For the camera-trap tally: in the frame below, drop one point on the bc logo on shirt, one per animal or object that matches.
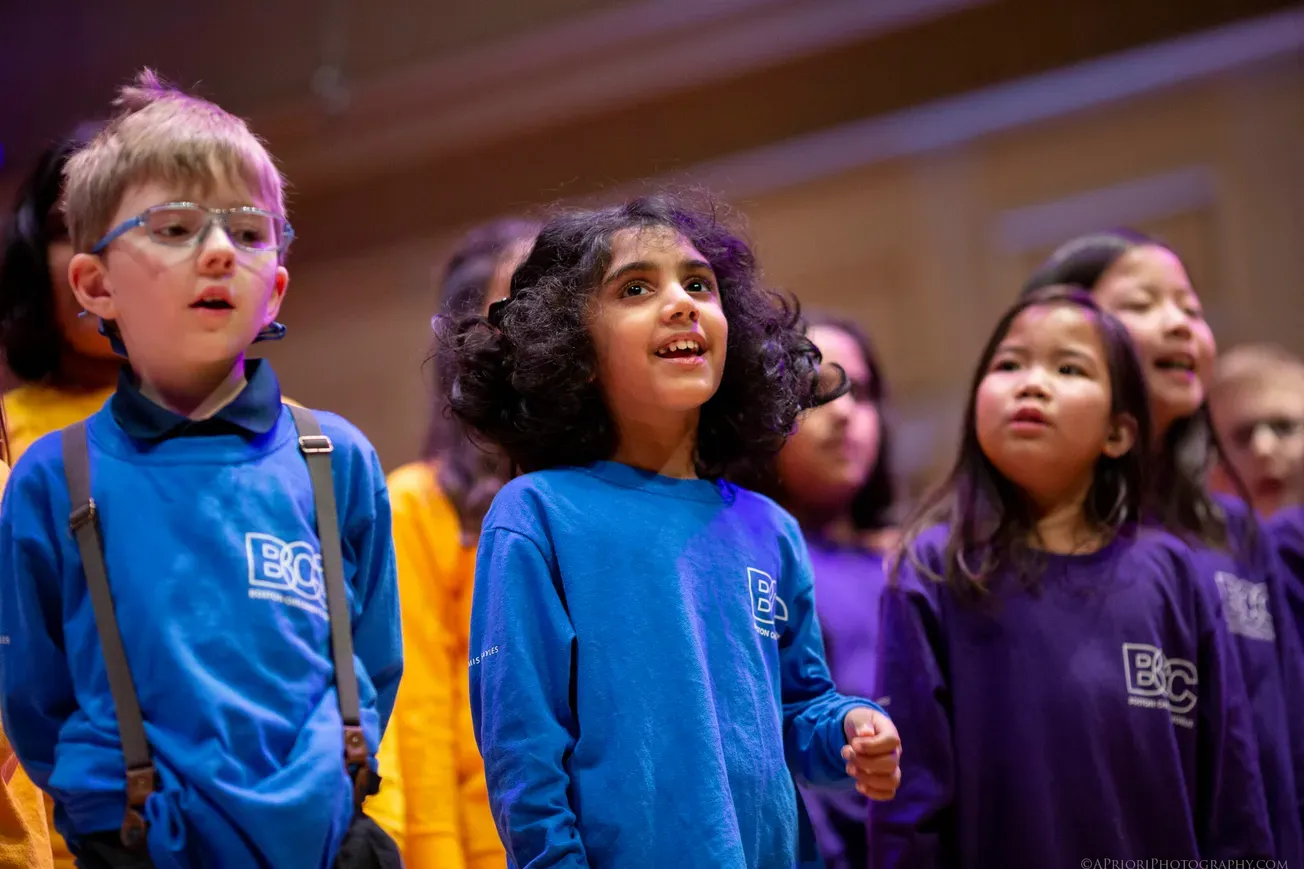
(1246, 606)
(767, 606)
(289, 573)
(1155, 681)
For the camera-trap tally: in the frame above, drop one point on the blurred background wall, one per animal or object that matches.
(907, 162)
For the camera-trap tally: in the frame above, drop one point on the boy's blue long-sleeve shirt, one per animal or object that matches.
(647, 674)
(214, 564)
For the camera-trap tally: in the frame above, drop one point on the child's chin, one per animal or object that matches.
(1177, 401)
(687, 397)
(215, 349)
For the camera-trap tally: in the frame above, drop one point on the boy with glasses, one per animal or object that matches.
(1257, 405)
(199, 627)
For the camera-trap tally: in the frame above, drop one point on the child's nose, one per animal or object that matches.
(1176, 321)
(682, 304)
(1263, 441)
(217, 253)
(1033, 383)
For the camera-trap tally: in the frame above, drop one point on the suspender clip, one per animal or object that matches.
(83, 515)
(141, 782)
(311, 444)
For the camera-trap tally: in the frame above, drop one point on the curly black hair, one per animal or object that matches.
(29, 325)
(1178, 496)
(526, 377)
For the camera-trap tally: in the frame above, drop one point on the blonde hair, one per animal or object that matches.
(1248, 364)
(164, 135)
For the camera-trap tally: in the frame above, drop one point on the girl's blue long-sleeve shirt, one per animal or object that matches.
(647, 675)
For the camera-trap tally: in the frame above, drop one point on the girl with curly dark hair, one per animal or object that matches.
(1145, 284)
(1063, 674)
(646, 671)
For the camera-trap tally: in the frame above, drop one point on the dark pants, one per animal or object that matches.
(366, 846)
(106, 851)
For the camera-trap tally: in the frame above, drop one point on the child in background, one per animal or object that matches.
(67, 367)
(1067, 682)
(834, 476)
(646, 672)
(1145, 285)
(433, 799)
(1257, 405)
(199, 479)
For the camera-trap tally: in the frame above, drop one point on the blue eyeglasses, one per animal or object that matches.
(185, 224)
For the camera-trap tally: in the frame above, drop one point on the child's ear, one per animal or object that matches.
(279, 285)
(1122, 436)
(90, 284)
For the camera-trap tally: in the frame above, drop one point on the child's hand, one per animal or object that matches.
(872, 753)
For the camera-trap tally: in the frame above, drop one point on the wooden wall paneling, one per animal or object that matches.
(359, 334)
(1262, 152)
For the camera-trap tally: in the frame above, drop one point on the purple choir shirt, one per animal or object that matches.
(1287, 532)
(1100, 718)
(1251, 583)
(848, 584)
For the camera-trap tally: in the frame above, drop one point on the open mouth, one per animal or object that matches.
(1183, 363)
(684, 348)
(215, 298)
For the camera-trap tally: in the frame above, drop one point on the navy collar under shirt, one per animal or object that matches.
(251, 413)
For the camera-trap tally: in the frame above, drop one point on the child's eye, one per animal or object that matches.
(174, 230)
(1285, 427)
(1006, 365)
(1072, 369)
(635, 288)
(699, 285)
(250, 238)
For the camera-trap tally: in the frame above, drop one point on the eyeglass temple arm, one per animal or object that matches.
(117, 231)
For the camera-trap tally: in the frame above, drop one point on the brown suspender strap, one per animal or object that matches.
(317, 448)
(85, 525)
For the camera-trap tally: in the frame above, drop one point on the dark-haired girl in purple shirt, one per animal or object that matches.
(1067, 682)
(1144, 283)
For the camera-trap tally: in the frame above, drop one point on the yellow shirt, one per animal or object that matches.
(31, 412)
(24, 840)
(34, 410)
(432, 798)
